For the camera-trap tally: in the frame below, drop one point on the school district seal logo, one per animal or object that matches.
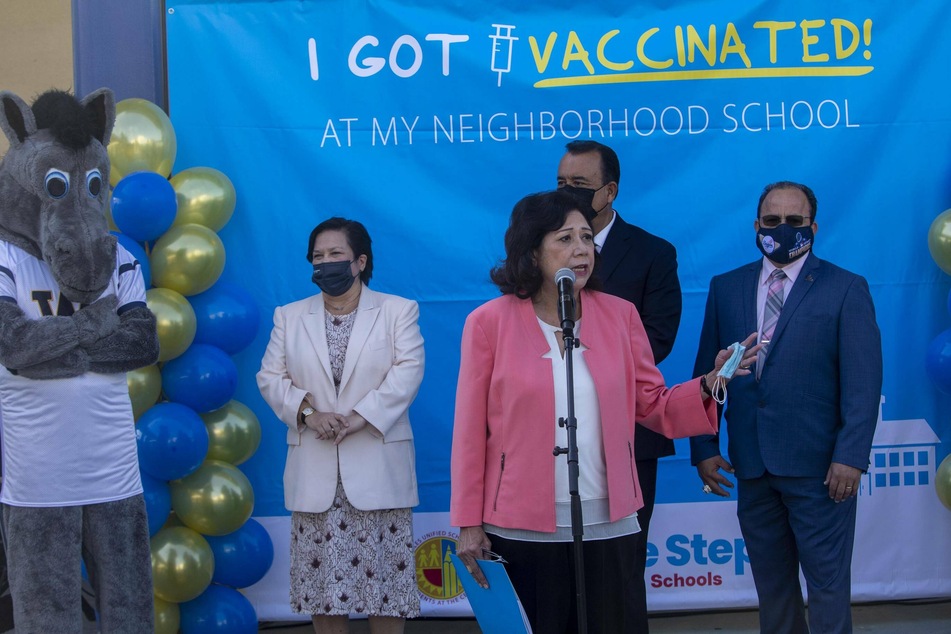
(435, 574)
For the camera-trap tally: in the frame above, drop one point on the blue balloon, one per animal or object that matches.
(204, 378)
(938, 361)
(172, 441)
(218, 610)
(138, 253)
(144, 205)
(243, 557)
(158, 502)
(227, 317)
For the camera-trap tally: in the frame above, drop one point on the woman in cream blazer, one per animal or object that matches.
(350, 477)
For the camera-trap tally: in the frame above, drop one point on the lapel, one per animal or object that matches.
(808, 275)
(317, 332)
(368, 311)
(616, 246)
(597, 355)
(749, 286)
(529, 324)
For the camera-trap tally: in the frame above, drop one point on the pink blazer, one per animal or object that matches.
(504, 430)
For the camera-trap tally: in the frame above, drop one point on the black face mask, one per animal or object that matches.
(584, 197)
(784, 244)
(333, 278)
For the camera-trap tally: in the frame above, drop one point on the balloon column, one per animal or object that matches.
(191, 434)
(938, 356)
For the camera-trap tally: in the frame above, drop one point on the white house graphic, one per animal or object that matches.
(903, 455)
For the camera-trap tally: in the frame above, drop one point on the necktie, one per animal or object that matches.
(774, 304)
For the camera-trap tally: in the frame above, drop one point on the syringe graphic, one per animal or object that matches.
(499, 40)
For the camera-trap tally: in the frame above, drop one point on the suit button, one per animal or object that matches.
(761, 404)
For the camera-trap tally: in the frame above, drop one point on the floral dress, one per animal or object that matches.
(344, 560)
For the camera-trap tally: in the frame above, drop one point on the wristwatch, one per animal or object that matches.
(307, 411)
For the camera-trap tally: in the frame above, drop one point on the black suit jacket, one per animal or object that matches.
(642, 268)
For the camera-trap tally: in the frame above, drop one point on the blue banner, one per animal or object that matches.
(428, 121)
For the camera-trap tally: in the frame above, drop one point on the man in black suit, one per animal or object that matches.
(641, 268)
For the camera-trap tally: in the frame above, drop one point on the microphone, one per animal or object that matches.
(565, 281)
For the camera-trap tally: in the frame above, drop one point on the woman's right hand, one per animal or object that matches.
(472, 541)
(325, 424)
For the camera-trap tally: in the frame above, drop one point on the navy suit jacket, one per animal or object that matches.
(817, 399)
(642, 268)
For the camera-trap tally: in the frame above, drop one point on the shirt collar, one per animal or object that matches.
(791, 270)
(602, 235)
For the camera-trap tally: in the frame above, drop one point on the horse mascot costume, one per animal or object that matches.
(73, 321)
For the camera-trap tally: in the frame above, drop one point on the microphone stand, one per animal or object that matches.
(571, 425)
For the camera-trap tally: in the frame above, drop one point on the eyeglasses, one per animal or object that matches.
(793, 221)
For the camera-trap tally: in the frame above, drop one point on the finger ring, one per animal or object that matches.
(848, 486)
(707, 489)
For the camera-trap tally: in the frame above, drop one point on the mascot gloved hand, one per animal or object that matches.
(73, 321)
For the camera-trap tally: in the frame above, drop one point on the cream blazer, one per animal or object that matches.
(381, 376)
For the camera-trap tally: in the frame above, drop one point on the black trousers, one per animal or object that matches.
(647, 477)
(543, 576)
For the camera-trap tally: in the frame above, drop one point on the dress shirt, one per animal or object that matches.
(792, 272)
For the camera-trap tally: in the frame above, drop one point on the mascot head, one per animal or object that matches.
(54, 181)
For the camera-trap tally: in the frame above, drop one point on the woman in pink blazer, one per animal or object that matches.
(341, 370)
(512, 390)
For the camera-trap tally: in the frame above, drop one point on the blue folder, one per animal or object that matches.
(496, 608)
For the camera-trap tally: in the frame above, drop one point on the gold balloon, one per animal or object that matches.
(175, 321)
(172, 521)
(216, 499)
(939, 240)
(942, 482)
(205, 197)
(142, 139)
(167, 617)
(188, 259)
(234, 433)
(145, 385)
(182, 564)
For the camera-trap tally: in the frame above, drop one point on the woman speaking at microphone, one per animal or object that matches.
(509, 492)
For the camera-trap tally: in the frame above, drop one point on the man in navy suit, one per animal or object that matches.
(641, 268)
(801, 433)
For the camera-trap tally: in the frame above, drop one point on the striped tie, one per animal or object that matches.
(774, 304)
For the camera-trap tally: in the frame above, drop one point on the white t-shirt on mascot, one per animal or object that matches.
(66, 442)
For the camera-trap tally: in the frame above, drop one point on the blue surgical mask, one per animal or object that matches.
(783, 244)
(727, 370)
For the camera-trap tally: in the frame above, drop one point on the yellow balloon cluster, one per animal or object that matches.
(142, 140)
(216, 499)
(205, 197)
(234, 433)
(145, 386)
(939, 240)
(175, 321)
(182, 564)
(188, 259)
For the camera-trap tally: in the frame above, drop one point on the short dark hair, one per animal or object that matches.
(358, 239)
(533, 217)
(610, 166)
(807, 192)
